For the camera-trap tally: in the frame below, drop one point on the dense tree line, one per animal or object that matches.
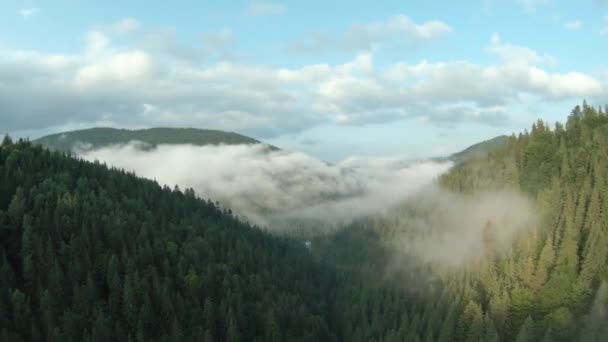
(91, 254)
(551, 284)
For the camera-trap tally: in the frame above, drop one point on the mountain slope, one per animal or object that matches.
(555, 277)
(480, 149)
(92, 254)
(549, 283)
(95, 138)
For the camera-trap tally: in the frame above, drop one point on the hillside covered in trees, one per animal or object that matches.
(97, 254)
(550, 284)
(100, 137)
(480, 149)
(91, 254)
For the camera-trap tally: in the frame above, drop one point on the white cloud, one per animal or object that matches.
(574, 25)
(516, 54)
(268, 187)
(128, 67)
(29, 12)
(126, 25)
(264, 9)
(148, 86)
(363, 37)
(96, 42)
(404, 26)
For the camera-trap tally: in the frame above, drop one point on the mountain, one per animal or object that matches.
(93, 254)
(95, 138)
(480, 149)
(545, 280)
(553, 281)
(89, 253)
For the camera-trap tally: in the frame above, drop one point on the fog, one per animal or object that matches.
(291, 192)
(454, 229)
(269, 188)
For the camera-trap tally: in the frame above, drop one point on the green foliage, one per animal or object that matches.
(480, 150)
(526, 333)
(541, 288)
(88, 253)
(563, 261)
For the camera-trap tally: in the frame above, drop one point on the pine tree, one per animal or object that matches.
(545, 262)
(526, 333)
(232, 333)
(6, 141)
(548, 337)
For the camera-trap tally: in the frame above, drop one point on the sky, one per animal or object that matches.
(332, 79)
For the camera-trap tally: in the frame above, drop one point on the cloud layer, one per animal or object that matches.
(154, 80)
(272, 187)
(290, 192)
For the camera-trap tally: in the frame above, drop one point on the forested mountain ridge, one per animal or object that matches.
(549, 284)
(100, 137)
(480, 149)
(91, 254)
(552, 285)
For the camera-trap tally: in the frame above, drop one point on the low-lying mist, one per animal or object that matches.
(270, 188)
(453, 229)
(291, 192)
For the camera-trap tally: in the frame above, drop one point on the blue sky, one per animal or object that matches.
(409, 78)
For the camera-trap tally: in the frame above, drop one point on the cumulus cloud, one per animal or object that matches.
(264, 9)
(363, 37)
(29, 12)
(129, 67)
(159, 82)
(573, 25)
(272, 187)
(516, 54)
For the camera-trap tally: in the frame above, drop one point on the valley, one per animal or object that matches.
(508, 244)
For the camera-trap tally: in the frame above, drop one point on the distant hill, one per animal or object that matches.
(480, 149)
(95, 138)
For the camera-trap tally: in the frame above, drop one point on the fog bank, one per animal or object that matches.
(269, 187)
(454, 229)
